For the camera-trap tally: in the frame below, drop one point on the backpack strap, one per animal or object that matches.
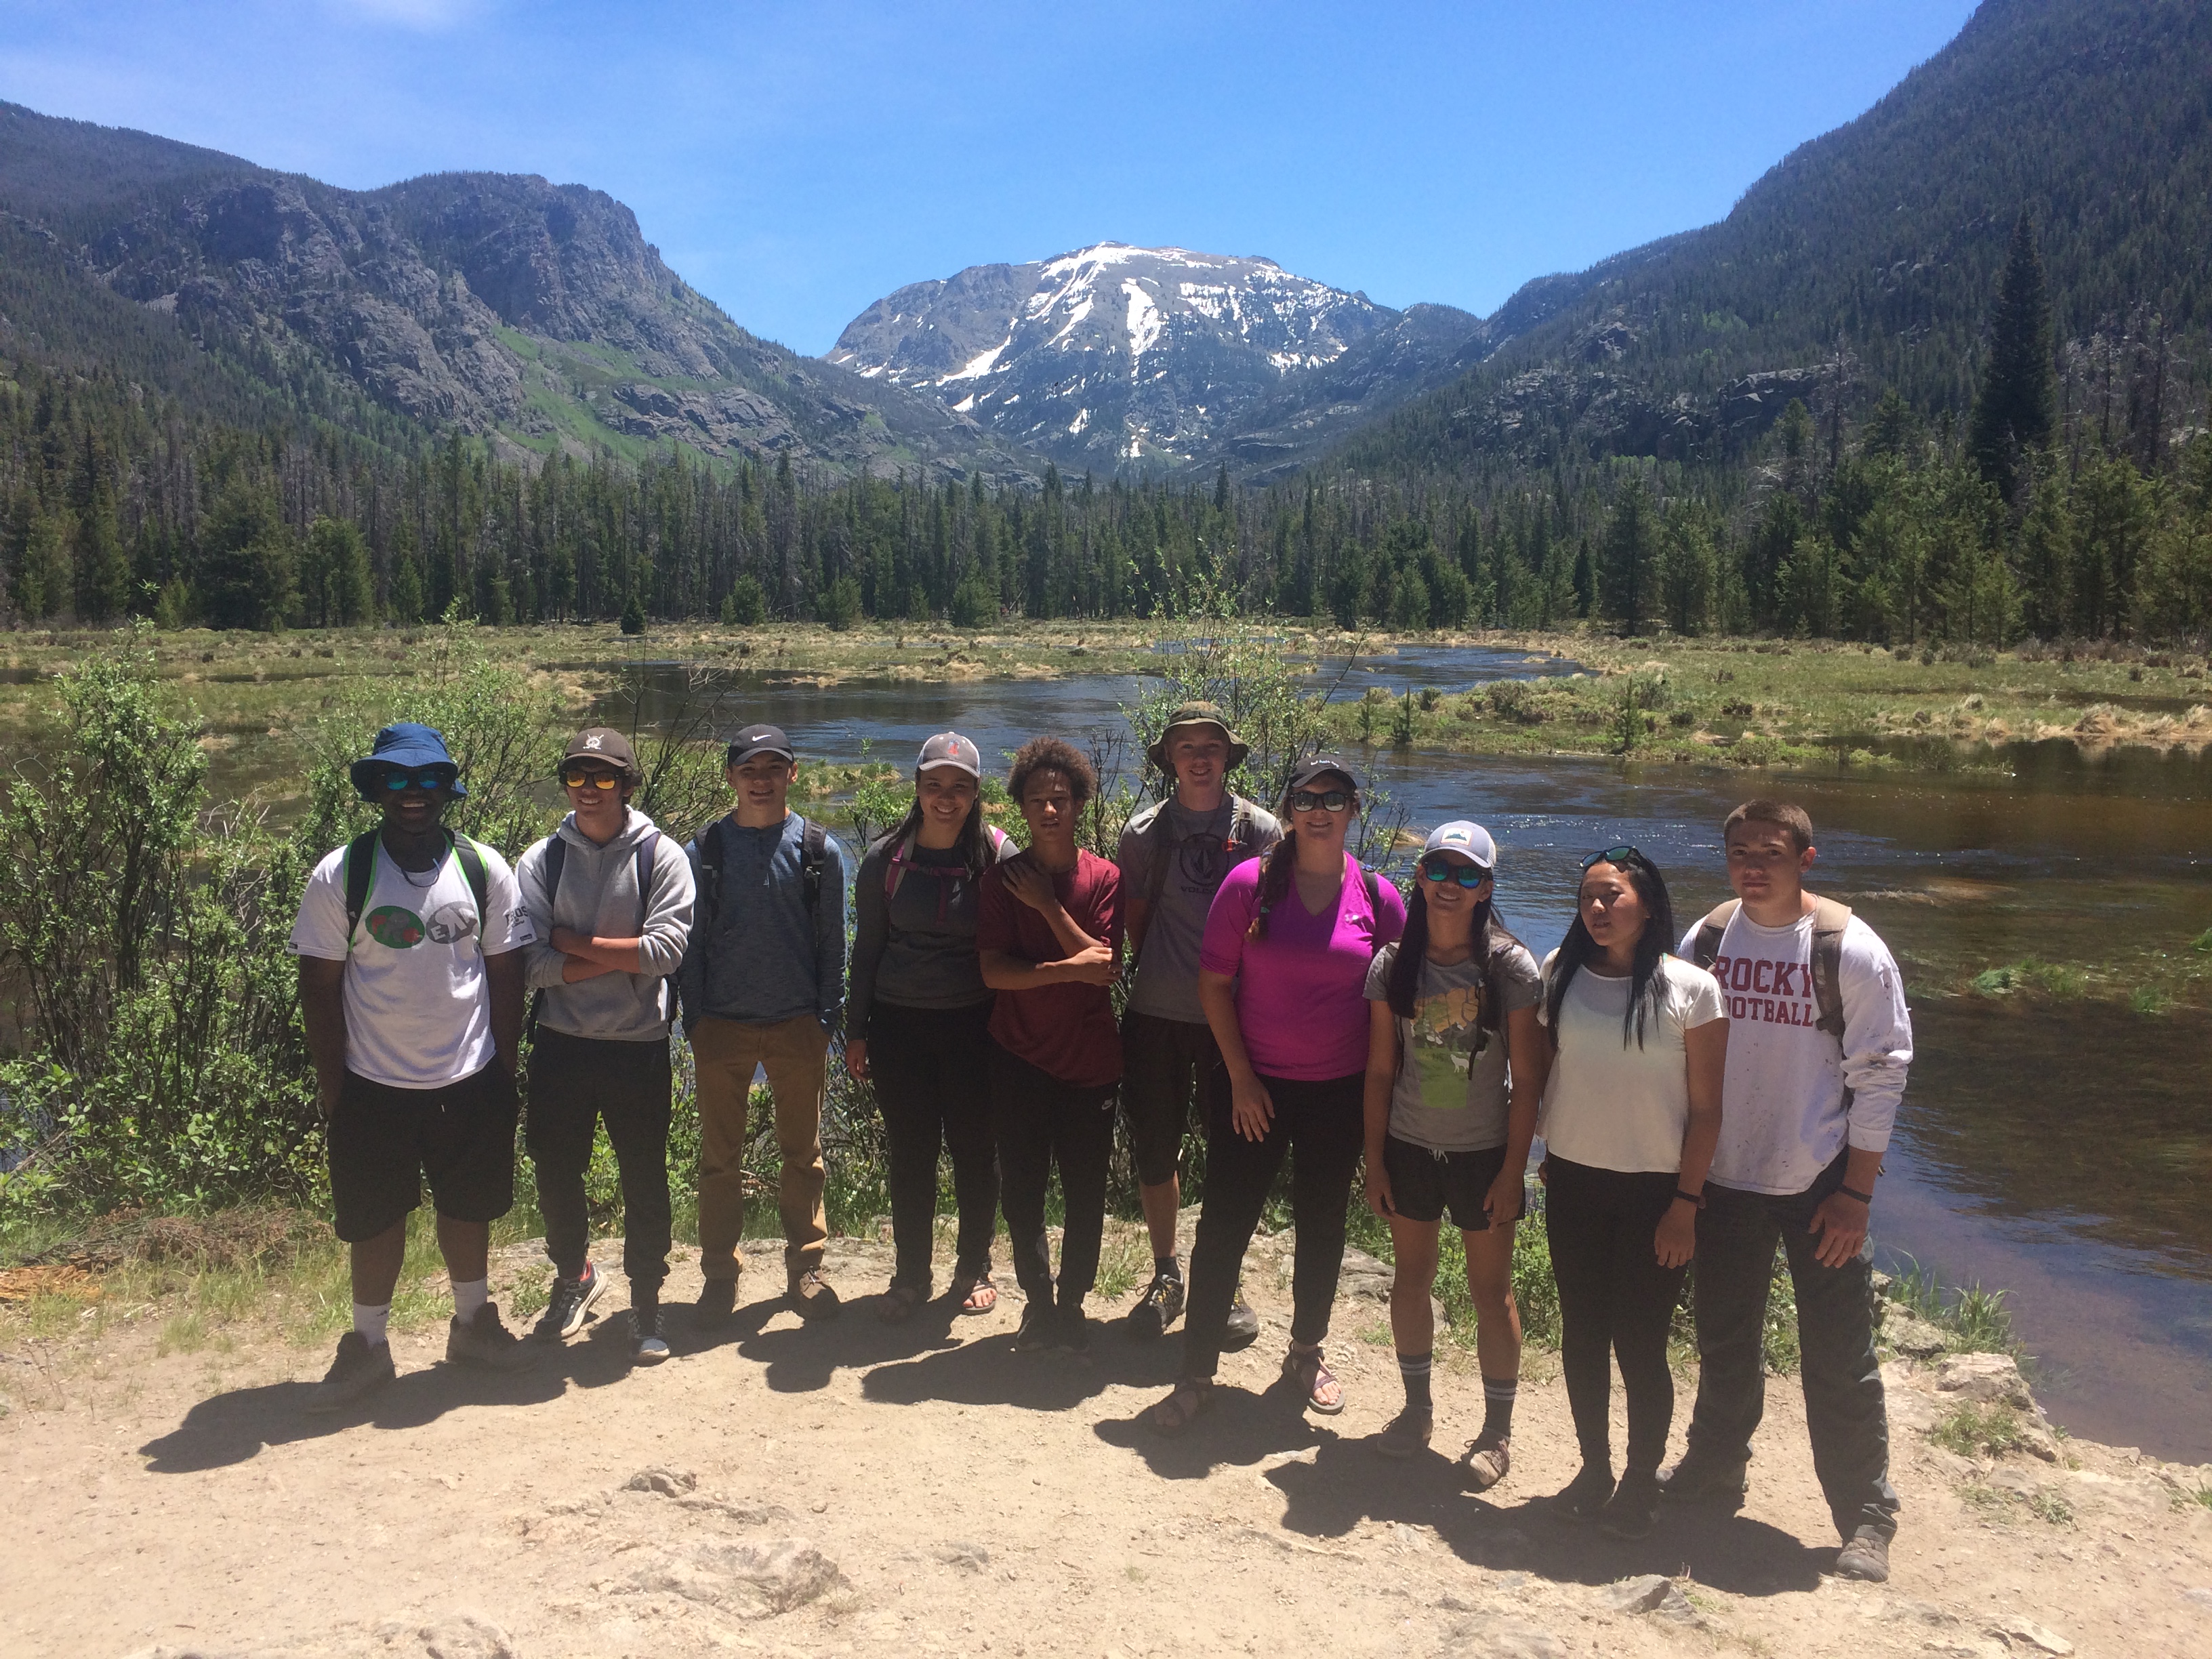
(647, 851)
(1705, 949)
(709, 842)
(1156, 848)
(813, 853)
(359, 869)
(556, 859)
(1830, 918)
(472, 865)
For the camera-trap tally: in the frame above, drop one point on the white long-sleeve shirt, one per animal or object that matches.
(1783, 1117)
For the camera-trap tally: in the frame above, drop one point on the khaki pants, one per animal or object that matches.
(796, 1053)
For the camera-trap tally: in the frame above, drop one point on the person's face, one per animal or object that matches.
(1317, 821)
(414, 798)
(1198, 756)
(595, 789)
(1049, 805)
(947, 795)
(1763, 862)
(1612, 910)
(1447, 897)
(762, 782)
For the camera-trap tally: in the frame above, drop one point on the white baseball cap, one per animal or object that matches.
(1471, 841)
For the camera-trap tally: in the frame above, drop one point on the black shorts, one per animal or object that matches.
(384, 1142)
(1424, 1184)
(1162, 1060)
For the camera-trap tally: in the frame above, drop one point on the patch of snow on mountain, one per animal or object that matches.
(965, 404)
(1074, 321)
(976, 367)
(1082, 419)
(1146, 322)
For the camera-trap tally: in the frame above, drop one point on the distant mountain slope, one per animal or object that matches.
(495, 303)
(1884, 236)
(1112, 356)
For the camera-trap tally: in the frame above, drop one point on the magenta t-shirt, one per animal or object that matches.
(1302, 991)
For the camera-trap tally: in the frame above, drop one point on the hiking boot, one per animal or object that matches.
(647, 1347)
(1633, 1510)
(1704, 1482)
(1588, 1493)
(1405, 1434)
(1037, 1333)
(810, 1294)
(1865, 1557)
(565, 1309)
(482, 1340)
(358, 1371)
(718, 1300)
(1159, 1307)
(1242, 1329)
(1074, 1335)
(1486, 1462)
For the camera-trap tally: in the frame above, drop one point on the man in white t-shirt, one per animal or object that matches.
(410, 940)
(1820, 1041)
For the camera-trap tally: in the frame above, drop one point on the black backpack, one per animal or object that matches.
(359, 870)
(813, 854)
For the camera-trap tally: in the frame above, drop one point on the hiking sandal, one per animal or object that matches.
(982, 1296)
(1486, 1464)
(1306, 1368)
(1192, 1399)
(897, 1304)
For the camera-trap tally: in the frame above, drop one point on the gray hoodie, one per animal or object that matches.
(599, 897)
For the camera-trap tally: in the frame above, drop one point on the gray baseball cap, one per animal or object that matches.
(950, 749)
(1471, 841)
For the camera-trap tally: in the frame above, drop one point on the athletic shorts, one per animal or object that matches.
(385, 1142)
(1162, 1060)
(1424, 1184)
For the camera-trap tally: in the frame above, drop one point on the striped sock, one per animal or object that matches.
(1414, 1368)
(1498, 1395)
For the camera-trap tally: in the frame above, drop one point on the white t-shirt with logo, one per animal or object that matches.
(418, 1005)
(1783, 1117)
(1610, 1103)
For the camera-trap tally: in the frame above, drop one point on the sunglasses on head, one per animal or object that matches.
(438, 779)
(1334, 800)
(1612, 855)
(1440, 867)
(577, 777)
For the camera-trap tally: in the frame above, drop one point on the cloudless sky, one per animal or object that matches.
(794, 161)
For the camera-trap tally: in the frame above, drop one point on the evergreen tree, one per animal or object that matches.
(2017, 408)
(246, 567)
(1630, 546)
(1585, 580)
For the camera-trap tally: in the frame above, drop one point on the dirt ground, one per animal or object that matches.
(856, 1488)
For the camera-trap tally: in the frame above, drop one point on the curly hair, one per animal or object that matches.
(1052, 755)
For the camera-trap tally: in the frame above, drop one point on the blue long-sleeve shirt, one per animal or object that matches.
(760, 957)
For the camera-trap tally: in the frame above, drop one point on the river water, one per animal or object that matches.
(2058, 1149)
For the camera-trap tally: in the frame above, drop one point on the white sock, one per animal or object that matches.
(370, 1322)
(469, 1295)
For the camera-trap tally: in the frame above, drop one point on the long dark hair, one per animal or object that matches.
(973, 845)
(1488, 936)
(1645, 986)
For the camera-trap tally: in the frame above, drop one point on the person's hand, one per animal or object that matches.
(1251, 1108)
(569, 942)
(1676, 1241)
(856, 1058)
(327, 1097)
(1093, 964)
(1503, 1202)
(1030, 885)
(1841, 1224)
(1379, 1198)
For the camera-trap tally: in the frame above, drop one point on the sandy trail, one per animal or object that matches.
(859, 1488)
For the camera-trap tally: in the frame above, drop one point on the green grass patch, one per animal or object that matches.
(2050, 979)
(1973, 1320)
(1980, 1431)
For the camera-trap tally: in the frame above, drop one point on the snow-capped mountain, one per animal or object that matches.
(1115, 355)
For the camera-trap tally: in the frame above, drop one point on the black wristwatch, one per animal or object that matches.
(1866, 1198)
(1695, 1201)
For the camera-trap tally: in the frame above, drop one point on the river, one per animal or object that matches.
(2057, 1149)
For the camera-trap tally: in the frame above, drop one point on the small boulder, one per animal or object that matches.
(1642, 1594)
(1981, 1377)
(1908, 1333)
(1500, 1635)
(753, 1578)
(669, 1483)
(2018, 1631)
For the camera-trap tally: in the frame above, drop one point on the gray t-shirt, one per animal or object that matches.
(1452, 1092)
(1166, 984)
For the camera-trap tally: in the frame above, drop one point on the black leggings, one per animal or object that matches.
(1043, 1120)
(1615, 1300)
(1320, 1124)
(923, 1061)
(576, 1082)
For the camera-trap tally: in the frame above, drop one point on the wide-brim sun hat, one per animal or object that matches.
(1470, 841)
(1198, 713)
(408, 747)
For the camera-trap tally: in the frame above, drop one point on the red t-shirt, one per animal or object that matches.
(1068, 1030)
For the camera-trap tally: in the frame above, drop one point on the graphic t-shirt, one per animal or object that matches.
(1065, 1030)
(417, 1006)
(1453, 1093)
(1609, 1102)
(1199, 854)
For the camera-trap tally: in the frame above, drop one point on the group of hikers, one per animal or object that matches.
(1700, 1095)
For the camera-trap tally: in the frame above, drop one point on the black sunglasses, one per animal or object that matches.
(1612, 855)
(576, 777)
(1439, 867)
(1305, 800)
(438, 779)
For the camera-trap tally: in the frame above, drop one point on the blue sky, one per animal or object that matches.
(796, 161)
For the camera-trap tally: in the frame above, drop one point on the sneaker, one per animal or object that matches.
(482, 1340)
(1242, 1329)
(1405, 1434)
(1588, 1493)
(1486, 1462)
(1865, 1557)
(811, 1295)
(571, 1300)
(1159, 1307)
(1074, 1335)
(647, 1344)
(1704, 1482)
(1634, 1511)
(1037, 1332)
(358, 1371)
(718, 1300)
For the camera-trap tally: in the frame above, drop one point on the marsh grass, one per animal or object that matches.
(1980, 1431)
(2050, 979)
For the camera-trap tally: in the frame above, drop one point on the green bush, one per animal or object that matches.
(745, 605)
(2051, 978)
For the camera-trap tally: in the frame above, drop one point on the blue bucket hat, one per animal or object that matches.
(407, 746)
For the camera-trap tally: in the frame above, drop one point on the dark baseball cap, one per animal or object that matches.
(604, 743)
(950, 749)
(760, 740)
(1321, 765)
